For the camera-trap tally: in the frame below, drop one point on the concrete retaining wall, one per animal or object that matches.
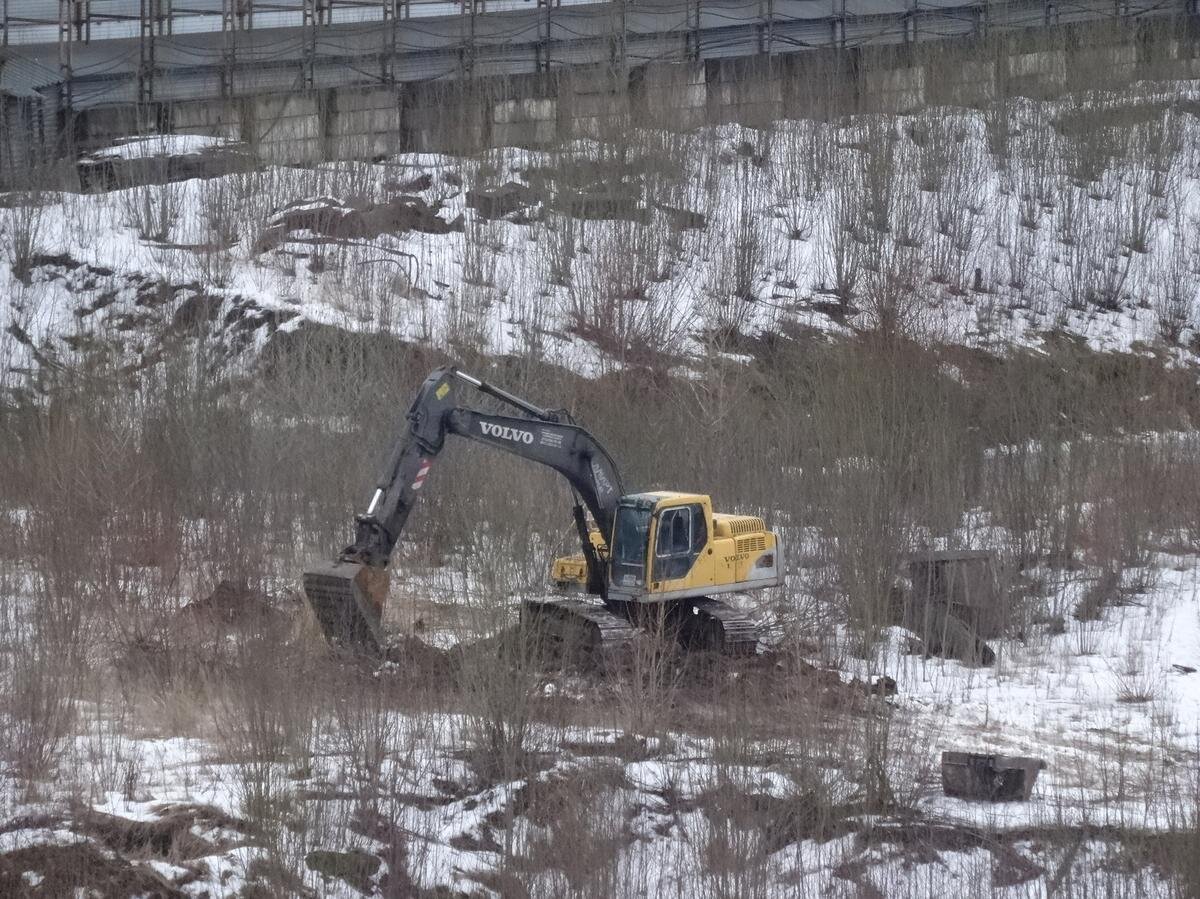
(303, 128)
(597, 101)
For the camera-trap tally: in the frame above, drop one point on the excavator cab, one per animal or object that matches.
(669, 545)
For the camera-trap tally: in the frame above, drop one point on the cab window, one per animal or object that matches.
(675, 532)
(682, 534)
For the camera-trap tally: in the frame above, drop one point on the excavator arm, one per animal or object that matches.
(347, 596)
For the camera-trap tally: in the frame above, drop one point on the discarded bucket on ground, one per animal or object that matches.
(994, 778)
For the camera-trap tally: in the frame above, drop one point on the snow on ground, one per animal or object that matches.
(1059, 697)
(1101, 259)
(162, 145)
(1112, 706)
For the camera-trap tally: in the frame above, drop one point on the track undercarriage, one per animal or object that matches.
(341, 595)
(700, 624)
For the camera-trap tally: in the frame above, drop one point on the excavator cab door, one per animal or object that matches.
(681, 536)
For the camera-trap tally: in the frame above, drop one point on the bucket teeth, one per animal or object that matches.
(338, 596)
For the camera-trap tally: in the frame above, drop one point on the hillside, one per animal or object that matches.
(952, 329)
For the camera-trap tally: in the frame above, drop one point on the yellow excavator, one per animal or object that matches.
(663, 552)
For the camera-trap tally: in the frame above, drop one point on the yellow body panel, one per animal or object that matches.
(570, 572)
(739, 553)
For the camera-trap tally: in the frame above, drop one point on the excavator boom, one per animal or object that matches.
(347, 596)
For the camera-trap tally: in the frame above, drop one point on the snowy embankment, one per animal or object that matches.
(983, 228)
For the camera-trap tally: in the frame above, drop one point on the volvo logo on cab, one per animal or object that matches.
(516, 435)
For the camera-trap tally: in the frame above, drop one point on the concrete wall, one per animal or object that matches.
(362, 123)
(670, 95)
(537, 110)
(749, 90)
(901, 89)
(593, 101)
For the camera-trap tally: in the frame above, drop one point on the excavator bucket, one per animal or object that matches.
(347, 599)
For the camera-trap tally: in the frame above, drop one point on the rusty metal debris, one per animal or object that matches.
(994, 778)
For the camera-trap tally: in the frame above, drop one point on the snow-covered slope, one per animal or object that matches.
(985, 228)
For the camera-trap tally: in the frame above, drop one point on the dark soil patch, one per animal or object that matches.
(395, 881)
(329, 218)
(64, 869)
(545, 801)
(922, 842)
(413, 656)
(232, 603)
(354, 867)
(168, 837)
(195, 314)
(505, 200)
(625, 747)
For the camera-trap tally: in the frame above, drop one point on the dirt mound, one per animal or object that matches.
(330, 218)
(233, 603)
(78, 869)
(354, 867)
(170, 836)
(111, 855)
(413, 655)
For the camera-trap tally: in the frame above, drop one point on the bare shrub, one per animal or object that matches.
(1132, 489)
(560, 244)
(152, 209)
(43, 679)
(576, 848)
(842, 229)
(1097, 263)
(1035, 165)
(645, 692)
(612, 300)
(482, 244)
(368, 733)
(22, 230)
(912, 217)
(1138, 686)
(266, 719)
(468, 318)
(957, 217)
(748, 248)
(1138, 208)
(728, 304)
(377, 285)
(501, 683)
(1092, 139)
(1177, 281)
(879, 145)
(218, 221)
(799, 170)
(892, 298)
(1036, 478)
(1019, 248)
(998, 129)
(884, 451)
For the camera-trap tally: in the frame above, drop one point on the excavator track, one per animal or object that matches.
(577, 626)
(707, 624)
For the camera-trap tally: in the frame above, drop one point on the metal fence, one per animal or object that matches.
(87, 53)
